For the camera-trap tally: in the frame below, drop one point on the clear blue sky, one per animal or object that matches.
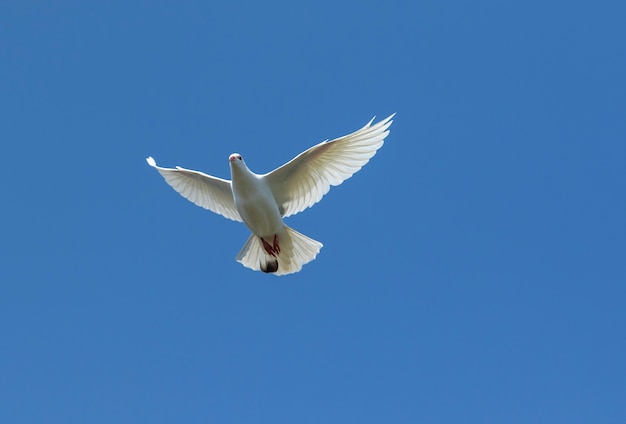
(473, 272)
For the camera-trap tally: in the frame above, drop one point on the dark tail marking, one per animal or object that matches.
(270, 266)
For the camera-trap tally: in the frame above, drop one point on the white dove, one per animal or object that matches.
(262, 201)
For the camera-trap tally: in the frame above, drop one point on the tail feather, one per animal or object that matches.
(252, 255)
(295, 250)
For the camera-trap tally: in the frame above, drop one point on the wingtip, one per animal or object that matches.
(389, 118)
(151, 161)
(384, 121)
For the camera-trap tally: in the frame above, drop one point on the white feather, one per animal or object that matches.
(261, 201)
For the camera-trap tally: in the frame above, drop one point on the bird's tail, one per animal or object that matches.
(293, 250)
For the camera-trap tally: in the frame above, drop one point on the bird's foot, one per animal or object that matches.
(276, 245)
(271, 249)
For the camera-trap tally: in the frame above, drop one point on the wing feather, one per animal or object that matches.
(303, 181)
(212, 193)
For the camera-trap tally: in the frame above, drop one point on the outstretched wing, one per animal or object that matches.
(212, 193)
(303, 181)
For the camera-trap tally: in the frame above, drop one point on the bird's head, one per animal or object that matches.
(235, 157)
(236, 161)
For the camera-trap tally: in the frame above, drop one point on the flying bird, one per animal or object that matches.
(261, 201)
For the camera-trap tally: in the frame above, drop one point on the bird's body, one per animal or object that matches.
(258, 210)
(254, 201)
(262, 201)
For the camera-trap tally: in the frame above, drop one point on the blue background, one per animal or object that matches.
(473, 271)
